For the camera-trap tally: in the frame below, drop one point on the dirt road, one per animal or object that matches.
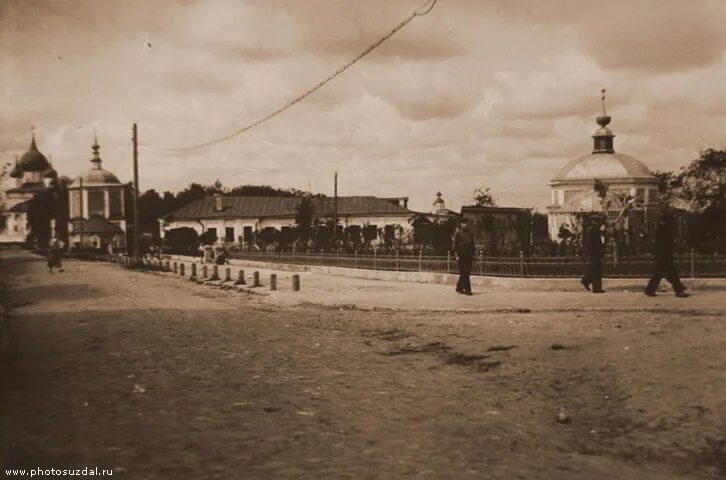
(161, 378)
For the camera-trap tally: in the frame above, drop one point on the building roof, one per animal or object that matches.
(257, 207)
(603, 163)
(33, 160)
(28, 188)
(96, 225)
(22, 207)
(475, 209)
(603, 166)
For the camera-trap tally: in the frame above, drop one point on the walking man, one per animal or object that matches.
(664, 267)
(592, 249)
(464, 249)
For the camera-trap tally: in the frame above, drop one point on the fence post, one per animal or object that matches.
(375, 259)
(420, 261)
(448, 262)
(337, 257)
(521, 263)
(481, 262)
(255, 278)
(355, 259)
(397, 263)
(175, 268)
(296, 283)
(693, 265)
(193, 273)
(273, 281)
(204, 271)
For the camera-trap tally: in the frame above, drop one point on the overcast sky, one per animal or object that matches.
(493, 92)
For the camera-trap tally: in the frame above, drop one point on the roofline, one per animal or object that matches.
(292, 215)
(582, 181)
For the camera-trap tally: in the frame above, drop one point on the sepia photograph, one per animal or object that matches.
(363, 239)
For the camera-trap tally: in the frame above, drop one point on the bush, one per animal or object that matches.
(182, 241)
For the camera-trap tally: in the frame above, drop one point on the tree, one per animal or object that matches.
(669, 185)
(483, 197)
(703, 186)
(184, 240)
(703, 182)
(304, 215)
(208, 238)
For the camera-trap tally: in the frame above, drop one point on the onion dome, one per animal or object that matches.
(16, 172)
(96, 175)
(33, 160)
(603, 162)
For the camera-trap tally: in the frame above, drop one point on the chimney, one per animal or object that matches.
(218, 202)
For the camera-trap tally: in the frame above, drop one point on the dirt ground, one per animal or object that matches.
(160, 378)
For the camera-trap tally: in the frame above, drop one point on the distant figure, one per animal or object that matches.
(55, 255)
(664, 267)
(592, 249)
(464, 248)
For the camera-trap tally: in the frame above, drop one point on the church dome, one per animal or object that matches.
(16, 172)
(603, 163)
(96, 175)
(33, 160)
(603, 166)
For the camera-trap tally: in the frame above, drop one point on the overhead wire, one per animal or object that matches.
(421, 11)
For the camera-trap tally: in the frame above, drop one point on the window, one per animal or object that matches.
(569, 194)
(653, 195)
(96, 203)
(76, 203)
(114, 203)
(212, 232)
(247, 234)
(639, 196)
(229, 234)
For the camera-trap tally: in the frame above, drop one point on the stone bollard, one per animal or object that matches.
(227, 274)
(256, 279)
(167, 268)
(193, 273)
(215, 272)
(181, 269)
(204, 271)
(240, 278)
(296, 283)
(175, 267)
(273, 281)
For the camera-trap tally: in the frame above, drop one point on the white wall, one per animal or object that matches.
(278, 223)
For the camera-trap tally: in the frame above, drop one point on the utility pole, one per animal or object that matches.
(137, 250)
(83, 218)
(335, 208)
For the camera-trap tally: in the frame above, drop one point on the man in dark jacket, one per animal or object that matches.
(592, 249)
(665, 235)
(464, 248)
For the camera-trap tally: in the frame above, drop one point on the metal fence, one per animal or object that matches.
(690, 264)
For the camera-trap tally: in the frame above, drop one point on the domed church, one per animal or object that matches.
(31, 174)
(573, 192)
(96, 206)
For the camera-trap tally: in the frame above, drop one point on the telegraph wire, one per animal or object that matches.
(421, 11)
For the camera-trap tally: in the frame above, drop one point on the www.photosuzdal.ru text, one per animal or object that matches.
(59, 472)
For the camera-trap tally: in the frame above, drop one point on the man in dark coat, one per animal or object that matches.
(592, 249)
(665, 235)
(464, 248)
